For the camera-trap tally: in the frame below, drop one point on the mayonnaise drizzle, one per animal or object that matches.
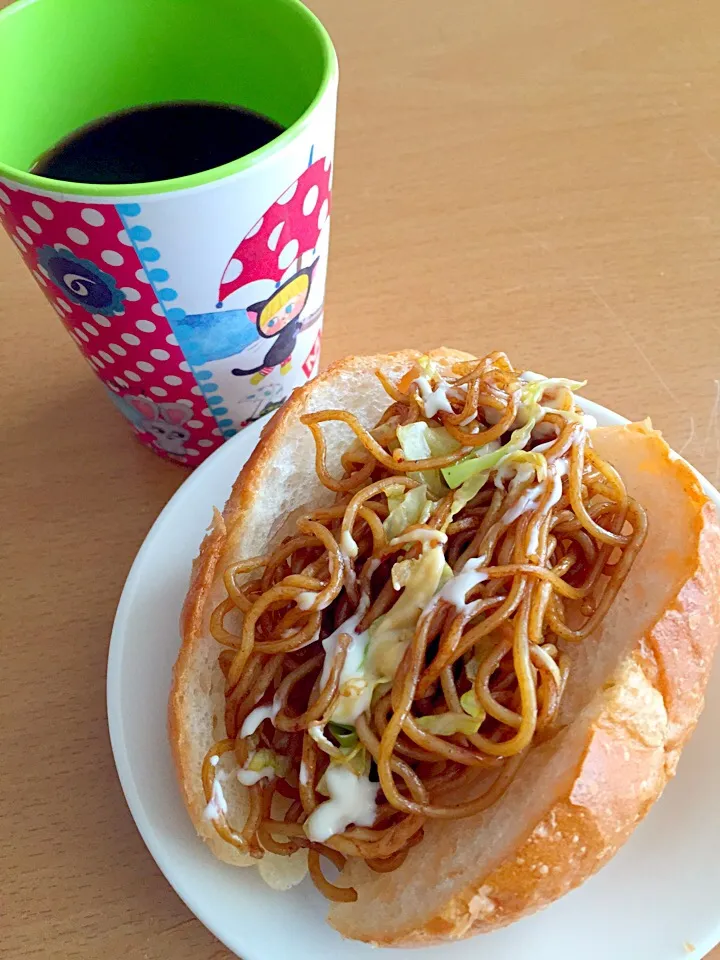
(457, 588)
(255, 717)
(433, 400)
(217, 806)
(355, 688)
(250, 777)
(348, 545)
(306, 599)
(352, 800)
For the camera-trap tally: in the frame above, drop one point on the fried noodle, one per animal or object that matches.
(531, 557)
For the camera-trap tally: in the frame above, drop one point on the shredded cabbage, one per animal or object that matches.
(469, 703)
(445, 724)
(420, 441)
(483, 460)
(413, 507)
(345, 734)
(264, 758)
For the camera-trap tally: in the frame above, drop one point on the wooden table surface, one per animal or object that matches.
(542, 178)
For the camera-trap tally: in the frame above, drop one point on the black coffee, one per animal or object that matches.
(157, 142)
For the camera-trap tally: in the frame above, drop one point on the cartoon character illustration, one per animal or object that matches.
(164, 421)
(265, 401)
(278, 320)
(81, 281)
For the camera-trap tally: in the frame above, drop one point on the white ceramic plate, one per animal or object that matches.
(656, 900)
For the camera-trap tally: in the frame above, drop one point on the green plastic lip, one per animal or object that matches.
(329, 74)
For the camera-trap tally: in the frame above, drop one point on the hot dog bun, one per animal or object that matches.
(634, 695)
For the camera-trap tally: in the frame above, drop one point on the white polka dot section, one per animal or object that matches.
(145, 366)
(147, 326)
(124, 238)
(274, 237)
(288, 254)
(158, 310)
(92, 217)
(90, 328)
(32, 224)
(204, 443)
(116, 348)
(217, 432)
(171, 339)
(192, 453)
(173, 381)
(131, 339)
(196, 424)
(102, 320)
(197, 391)
(122, 383)
(62, 303)
(131, 375)
(98, 363)
(141, 276)
(206, 412)
(186, 403)
(160, 354)
(311, 199)
(289, 194)
(322, 216)
(131, 293)
(42, 210)
(43, 271)
(254, 229)
(5, 197)
(40, 278)
(81, 333)
(60, 247)
(112, 257)
(184, 366)
(158, 391)
(24, 235)
(77, 236)
(107, 357)
(19, 244)
(232, 271)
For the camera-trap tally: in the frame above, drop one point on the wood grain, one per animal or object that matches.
(537, 177)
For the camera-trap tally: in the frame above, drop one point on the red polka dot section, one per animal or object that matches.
(287, 230)
(82, 257)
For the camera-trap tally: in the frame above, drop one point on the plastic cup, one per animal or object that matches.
(198, 301)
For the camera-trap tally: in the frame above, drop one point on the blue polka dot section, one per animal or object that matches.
(129, 209)
(139, 234)
(158, 276)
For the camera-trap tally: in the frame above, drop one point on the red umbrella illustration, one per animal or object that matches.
(287, 230)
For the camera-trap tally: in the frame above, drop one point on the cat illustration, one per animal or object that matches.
(278, 320)
(164, 421)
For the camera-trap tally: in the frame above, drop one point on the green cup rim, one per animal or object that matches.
(205, 177)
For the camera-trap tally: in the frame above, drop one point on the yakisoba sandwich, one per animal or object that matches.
(446, 637)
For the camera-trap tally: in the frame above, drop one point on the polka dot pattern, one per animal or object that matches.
(289, 229)
(137, 358)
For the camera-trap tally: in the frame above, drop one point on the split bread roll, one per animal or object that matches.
(634, 693)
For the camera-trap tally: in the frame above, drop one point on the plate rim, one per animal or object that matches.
(121, 756)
